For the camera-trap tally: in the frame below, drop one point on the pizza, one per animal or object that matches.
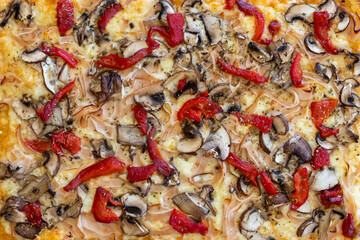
(179, 119)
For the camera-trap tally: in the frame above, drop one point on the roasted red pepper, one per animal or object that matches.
(267, 183)
(274, 27)
(67, 140)
(38, 145)
(250, 10)
(321, 27)
(105, 167)
(46, 112)
(246, 168)
(348, 227)
(65, 16)
(141, 117)
(184, 225)
(54, 51)
(332, 196)
(99, 208)
(163, 167)
(204, 94)
(296, 73)
(321, 158)
(266, 41)
(33, 213)
(138, 174)
(261, 122)
(229, 4)
(301, 184)
(107, 15)
(196, 107)
(320, 111)
(181, 84)
(246, 74)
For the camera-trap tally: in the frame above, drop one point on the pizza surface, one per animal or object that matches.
(173, 119)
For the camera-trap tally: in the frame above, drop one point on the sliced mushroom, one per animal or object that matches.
(192, 204)
(101, 147)
(354, 83)
(106, 84)
(266, 142)
(307, 227)
(14, 8)
(15, 215)
(300, 147)
(11, 203)
(134, 205)
(303, 12)
(143, 187)
(348, 98)
(163, 8)
(25, 12)
(344, 21)
(151, 103)
(284, 179)
(220, 92)
(130, 135)
(56, 214)
(195, 25)
(220, 141)
(282, 51)
(346, 136)
(182, 58)
(28, 230)
(326, 72)
(33, 190)
(325, 179)
(340, 210)
(330, 6)
(327, 143)
(33, 56)
(133, 47)
(251, 220)
(191, 142)
(173, 179)
(4, 171)
(132, 227)
(280, 157)
(64, 73)
(324, 224)
(24, 109)
(192, 39)
(172, 83)
(206, 192)
(280, 124)
(258, 54)
(356, 63)
(244, 186)
(49, 71)
(212, 27)
(276, 200)
(52, 162)
(313, 45)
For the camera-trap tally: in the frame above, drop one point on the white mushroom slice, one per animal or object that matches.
(132, 227)
(280, 157)
(312, 44)
(303, 12)
(327, 143)
(190, 143)
(346, 136)
(300, 147)
(192, 39)
(356, 63)
(280, 124)
(307, 227)
(134, 205)
(220, 141)
(344, 21)
(172, 82)
(325, 179)
(102, 149)
(52, 162)
(349, 98)
(130, 135)
(56, 118)
(24, 110)
(326, 72)
(49, 71)
(258, 54)
(354, 83)
(166, 7)
(192, 204)
(251, 220)
(212, 28)
(33, 56)
(266, 142)
(133, 47)
(33, 190)
(282, 51)
(220, 92)
(64, 73)
(330, 6)
(324, 224)
(25, 12)
(195, 25)
(15, 215)
(244, 185)
(152, 102)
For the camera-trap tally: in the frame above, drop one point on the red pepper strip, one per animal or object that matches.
(138, 174)
(67, 140)
(196, 107)
(38, 145)
(321, 27)
(141, 117)
(320, 111)
(204, 94)
(65, 16)
(54, 51)
(105, 167)
(99, 208)
(46, 112)
(321, 158)
(33, 213)
(274, 27)
(246, 168)
(184, 225)
(229, 4)
(332, 196)
(267, 183)
(181, 84)
(108, 15)
(246, 74)
(301, 184)
(296, 73)
(163, 167)
(266, 41)
(250, 10)
(348, 226)
(263, 123)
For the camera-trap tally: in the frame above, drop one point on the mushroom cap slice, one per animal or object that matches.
(327, 143)
(276, 200)
(52, 162)
(15, 215)
(25, 12)
(212, 28)
(33, 56)
(49, 72)
(130, 135)
(28, 230)
(192, 204)
(172, 82)
(105, 85)
(134, 205)
(251, 220)
(36, 187)
(282, 51)
(152, 102)
(63, 75)
(266, 142)
(190, 143)
(24, 109)
(133, 47)
(324, 179)
(346, 136)
(330, 6)
(192, 39)
(164, 7)
(300, 147)
(307, 227)
(258, 54)
(313, 46)
(344, 21)
(53, 215)
(220, 141)
(4, 171)
(324, 224)
(280, 124)
(220, 92)
(280, 157)
(195, 25)
(132, 227)
(348, 98)
(303, 12)
(326, 72)
(244, 185)
(101, 147)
